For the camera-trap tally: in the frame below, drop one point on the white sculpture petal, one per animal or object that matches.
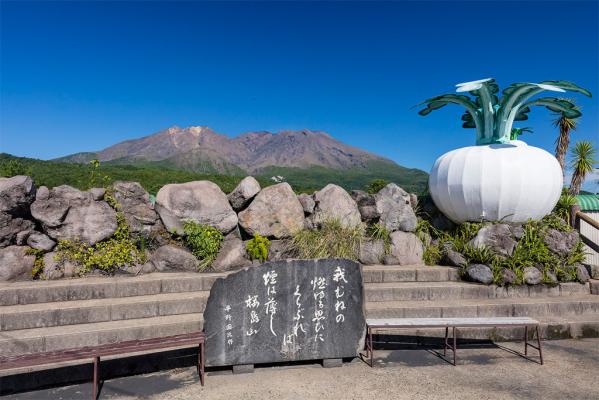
(469, 87)
(550, 87)
(474, 82)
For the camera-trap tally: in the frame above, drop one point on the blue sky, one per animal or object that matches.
(79, 76)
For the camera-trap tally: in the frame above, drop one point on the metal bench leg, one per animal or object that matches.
(455, 347)
(526, 340)
(370, 348)
(201, 363)
(539, 344)
(96, 378)
(446, 343)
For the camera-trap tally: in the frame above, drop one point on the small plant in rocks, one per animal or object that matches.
(257, 248)
(204, 242)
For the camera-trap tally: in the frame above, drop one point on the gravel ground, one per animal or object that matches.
(483, 372)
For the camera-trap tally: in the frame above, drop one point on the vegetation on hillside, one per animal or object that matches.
(153, 177)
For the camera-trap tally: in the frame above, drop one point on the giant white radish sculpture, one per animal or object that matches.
(501, 178)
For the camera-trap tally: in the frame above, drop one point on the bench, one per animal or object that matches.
(111, 349)
(453, 323)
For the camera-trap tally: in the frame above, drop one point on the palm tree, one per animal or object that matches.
(582, 163)
(565, 125)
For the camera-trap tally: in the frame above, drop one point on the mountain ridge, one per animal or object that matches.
(249, 151)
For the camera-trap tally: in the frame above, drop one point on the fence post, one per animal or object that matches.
(574, 209)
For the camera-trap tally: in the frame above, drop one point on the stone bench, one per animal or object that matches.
(111, 349)
(374, 324)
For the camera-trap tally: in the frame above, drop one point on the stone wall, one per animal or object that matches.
(37, 218)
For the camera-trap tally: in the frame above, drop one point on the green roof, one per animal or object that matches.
(588, 202)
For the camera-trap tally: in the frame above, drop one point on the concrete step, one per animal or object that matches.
(33, 292)
(594, 283)
(70, 336)
(534, 307)
(39, 315)
(402, 291)
(550, 328)
(408, 273)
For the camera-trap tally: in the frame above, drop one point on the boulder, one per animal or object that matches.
(551, 277)
(200, 201)
(307, 203)
(594, 271)
(405, 249)
(413, 200)
(366, 205)
(135, 204)
(497, 237)
(15, 263)
(244, 193)
(173, 258)
(437, 219)
(560, 243)
(52, 267)
(394, 209)
(333, 203)
(274, 212)
(582, 274)
(517, 231)
(232, 255)
(40, 241)
(452, 257)
(508, 277)
(279, 250)
(480, 273)
(372, 251)
(16, 194)
(97, 193)
(532, 276)
(67, 214)
(11, 227)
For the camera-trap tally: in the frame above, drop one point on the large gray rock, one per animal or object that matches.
(372, 252)
(594, 271)
(560, 243)
(232, 255)
(497, 237)
(452, 257)
(200, 201)
(334, 203)
(97, 193)
(274, 212)
(40, 241)
(58, 269)
(532, 276)
(394, 209)
(244, 192)
(307, 203)
(366, 205)
(582, 274)
(173, 258)
(480, 273)
(279, 250)
(67, 214)
(135, 204)
(508, 277)
(11, 227)
(15, 263)
(405, 249)
(16, 194)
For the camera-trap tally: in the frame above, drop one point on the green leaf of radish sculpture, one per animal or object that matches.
(493, 116)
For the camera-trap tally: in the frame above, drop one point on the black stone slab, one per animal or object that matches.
(253, 316)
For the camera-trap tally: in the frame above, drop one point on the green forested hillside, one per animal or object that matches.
(153, 177)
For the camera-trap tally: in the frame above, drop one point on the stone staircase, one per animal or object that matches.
(52, 315)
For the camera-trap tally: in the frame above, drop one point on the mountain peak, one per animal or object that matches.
(196, 146)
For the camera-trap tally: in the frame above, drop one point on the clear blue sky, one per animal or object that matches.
(79, 76)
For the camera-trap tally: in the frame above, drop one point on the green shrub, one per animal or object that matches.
(332, 240)
(563, 206)
(257, 248)
(554, 221)
(376, 185)
(117, 251)
(204, 242)
(38, 265)
(432, 255)
(379, 232)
